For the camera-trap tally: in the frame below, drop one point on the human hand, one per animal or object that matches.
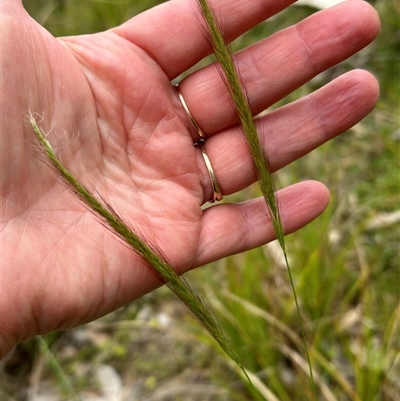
(115, 120)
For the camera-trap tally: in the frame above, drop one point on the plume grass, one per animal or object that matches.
(231, 78)
(152, 256)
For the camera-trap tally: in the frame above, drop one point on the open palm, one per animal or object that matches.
(108, 107)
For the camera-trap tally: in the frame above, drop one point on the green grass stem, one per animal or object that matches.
(242, 107)
(139, 245)
(61, 376)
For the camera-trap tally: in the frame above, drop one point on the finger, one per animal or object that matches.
(174, 36)
(280, 64)
(228, 229)
(291, 131)
(11, 8)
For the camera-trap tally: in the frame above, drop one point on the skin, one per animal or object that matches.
(108, 108)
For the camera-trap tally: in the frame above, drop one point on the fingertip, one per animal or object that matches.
(363, 7)
(305, 200)
(345, 101)
(359, 22)
(322, 194)
(363, 13)
(369, 85)
(370, 15)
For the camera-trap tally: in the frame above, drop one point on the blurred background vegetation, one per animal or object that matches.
(345, 265)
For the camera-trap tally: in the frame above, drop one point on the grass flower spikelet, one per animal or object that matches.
(242, 108)
(138, 244)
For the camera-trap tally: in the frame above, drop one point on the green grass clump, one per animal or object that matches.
(352, 333)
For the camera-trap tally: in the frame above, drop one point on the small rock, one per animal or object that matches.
(110, 383)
